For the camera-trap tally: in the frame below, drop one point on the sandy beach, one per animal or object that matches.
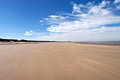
(59, 61)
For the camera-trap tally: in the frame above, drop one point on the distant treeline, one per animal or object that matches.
(22, 40)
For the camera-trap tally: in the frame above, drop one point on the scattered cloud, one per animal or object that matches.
(41, 21)
(118, 7)
(33, 33)
(86, 22)
(29, 33)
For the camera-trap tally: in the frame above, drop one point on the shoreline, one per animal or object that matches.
(108, 43)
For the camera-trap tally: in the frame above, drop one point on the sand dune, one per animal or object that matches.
(59, 61)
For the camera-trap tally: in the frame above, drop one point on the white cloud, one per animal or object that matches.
(29, 33)
(53, 16)
(76, 8)
(118, 7)
(117, 1)
(84, 22)
(41, 21)
(98, 34)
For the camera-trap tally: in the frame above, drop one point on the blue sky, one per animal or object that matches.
(61, 20)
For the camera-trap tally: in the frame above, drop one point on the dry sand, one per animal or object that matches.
(59, 61)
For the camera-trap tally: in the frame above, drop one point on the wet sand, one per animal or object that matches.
(59, 61)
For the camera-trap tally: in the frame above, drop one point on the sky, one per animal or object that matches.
(60, 20)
